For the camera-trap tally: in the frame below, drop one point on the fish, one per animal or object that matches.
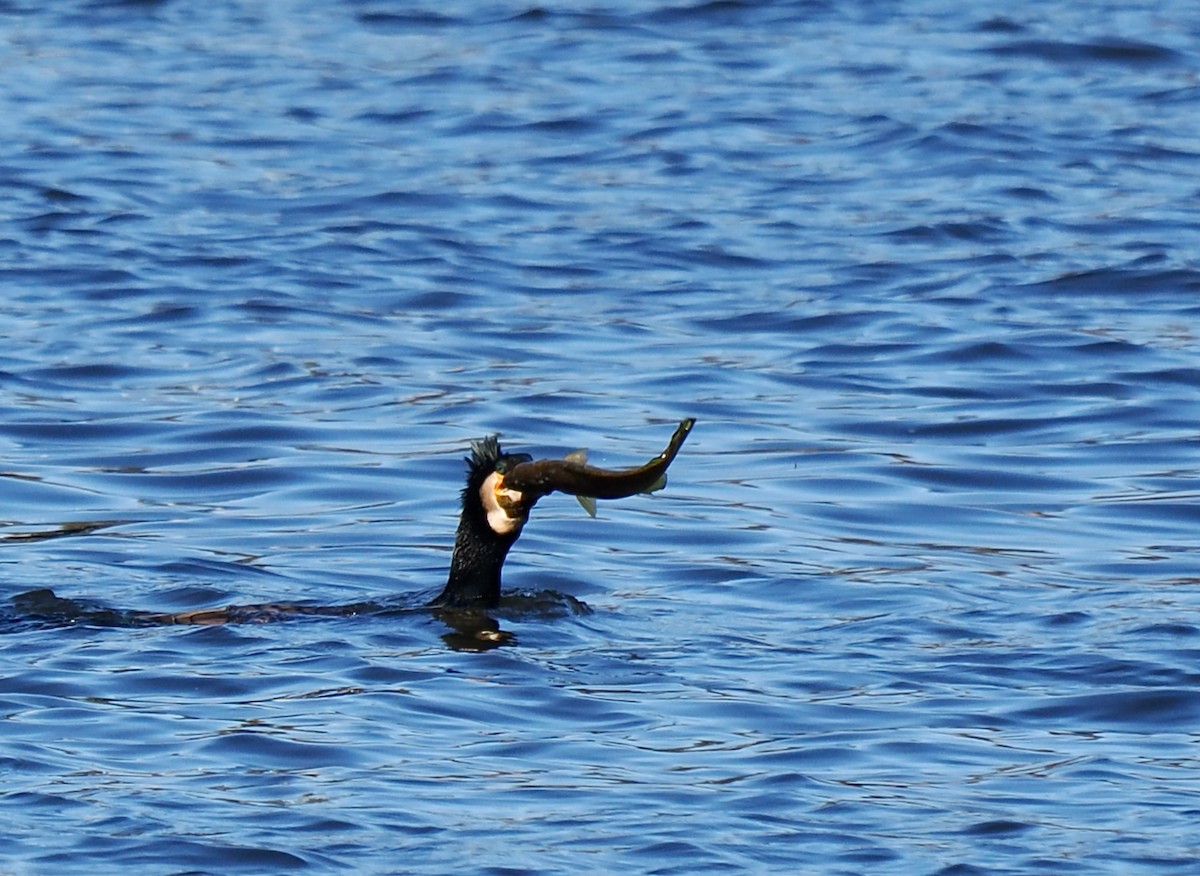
(572, 475)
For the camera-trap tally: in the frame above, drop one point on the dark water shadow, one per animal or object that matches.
(65, 530)
(468, 629)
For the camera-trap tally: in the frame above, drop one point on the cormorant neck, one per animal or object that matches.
(475, 566)
(490, 523)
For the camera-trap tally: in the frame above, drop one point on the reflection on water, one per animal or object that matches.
(920, 597)
(469, 629)
(80, 527)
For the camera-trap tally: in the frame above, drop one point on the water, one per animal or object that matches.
(921, 596)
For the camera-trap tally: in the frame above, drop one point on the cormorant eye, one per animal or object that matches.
(504, 464)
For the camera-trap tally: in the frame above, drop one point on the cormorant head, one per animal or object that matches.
(504, 510)
(491, 520)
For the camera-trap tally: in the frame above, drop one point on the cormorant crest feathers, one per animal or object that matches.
(485, 453)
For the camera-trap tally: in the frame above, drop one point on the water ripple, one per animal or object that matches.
(928, 285)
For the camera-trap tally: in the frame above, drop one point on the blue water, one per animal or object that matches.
(922, 596)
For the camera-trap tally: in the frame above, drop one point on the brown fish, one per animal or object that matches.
(574, 476)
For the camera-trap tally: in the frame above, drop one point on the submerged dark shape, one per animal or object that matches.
(499, 494)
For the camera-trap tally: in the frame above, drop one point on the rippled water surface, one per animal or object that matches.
(922, 594)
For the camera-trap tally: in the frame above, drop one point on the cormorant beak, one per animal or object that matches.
(506, 509)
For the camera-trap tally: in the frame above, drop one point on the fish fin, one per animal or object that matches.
(588, 502)
(656, 486)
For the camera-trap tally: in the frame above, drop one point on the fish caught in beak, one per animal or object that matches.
(588, 482)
